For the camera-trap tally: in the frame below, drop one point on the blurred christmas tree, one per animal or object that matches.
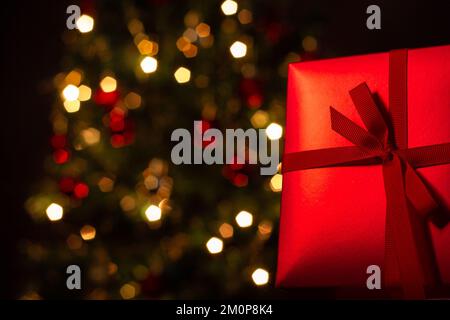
(112, 202)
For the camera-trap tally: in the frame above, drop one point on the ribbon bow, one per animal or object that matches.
(408, 251)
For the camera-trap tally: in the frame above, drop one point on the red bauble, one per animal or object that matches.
(81, 190)
(61, 156)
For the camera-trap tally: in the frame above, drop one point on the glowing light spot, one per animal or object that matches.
(147, 47)
(260, 277)
(309, 43)
(214, 245)
(245, 16)
(85, 23)
(54, 212)
(238, 49)
(229, 7)
(91, 136)
(108, 84)
(106, 184)
(259, 119)
(72, 106)
(88, 232)
(71, 93)
(182, 75)
(276, 182)
(153, 213)
(128, 291)
(203, 30)
(226, 230)
(244, 219)
(274, 131)
(133, 100)
(149, 64)
(84, 93)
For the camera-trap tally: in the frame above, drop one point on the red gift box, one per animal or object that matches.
(357, 189)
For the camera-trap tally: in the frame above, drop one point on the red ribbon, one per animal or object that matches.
(409, 255)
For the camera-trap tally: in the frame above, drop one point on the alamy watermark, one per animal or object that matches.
(238, 146)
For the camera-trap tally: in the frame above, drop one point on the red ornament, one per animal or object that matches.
(81, 190)
(61, 156)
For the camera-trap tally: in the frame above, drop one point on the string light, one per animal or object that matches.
(260, 277)
(91, 136)
(54, 212)
(226, 230)
(274, 131)
(203, 30)
(229, 7)
(132, 100)
(84, 93)
(128, 291)
(87, 232)
(72, 106)
(309, 44)
(238, 49)
(71, 93)
(147, 47)
(108, 84)
(149, 64)
(245, 16)
(276, 182)
(182, 75)
(85, 23)
(244, 219)
(153, 213)
(259, 119)
(214, 245)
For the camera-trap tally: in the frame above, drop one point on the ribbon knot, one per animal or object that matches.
(409, 258)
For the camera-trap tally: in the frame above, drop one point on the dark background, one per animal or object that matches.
(31, 51)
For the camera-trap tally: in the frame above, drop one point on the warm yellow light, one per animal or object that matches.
(87, 232)
(106, 184)
(214, 245)
(128, 291)
(264, 229)
(149, 64)
(203, 30)
(153, 213)
(245, 16)
(276, 182)
(133, 100)
(91, 136)
(85, 93)
(73, 77)
(54, 212)
(182, 75)
(191, 51)
(259, 119)
(147, 47)
(127, 203)
(226, 230)
(229, 7)
(238, 49)
(71, 93)
(72, 106)
(260, 277)
(108, 84)
(244, 219)
(274, 131)
(85, 23)
(309, 43)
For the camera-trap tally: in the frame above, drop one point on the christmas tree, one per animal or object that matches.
(112, 201)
